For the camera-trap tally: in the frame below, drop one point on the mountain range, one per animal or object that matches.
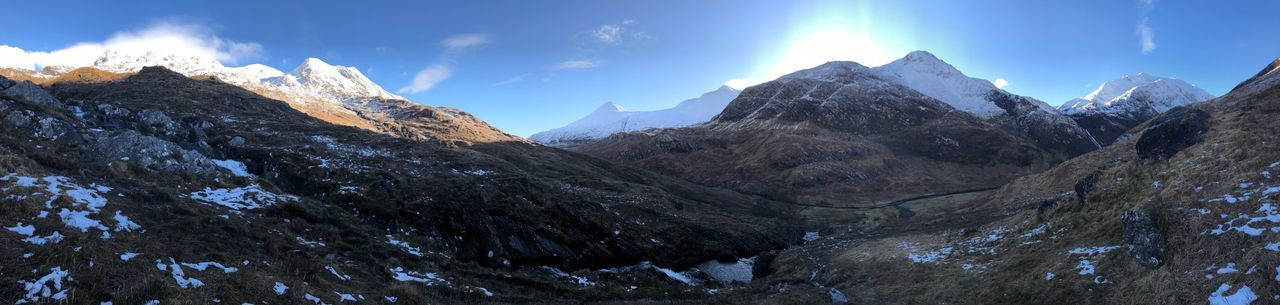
(611, 118)
(153, 178)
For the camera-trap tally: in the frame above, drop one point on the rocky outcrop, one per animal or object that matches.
(151, 153)
(1045, 126)
(28, 91)
(1143, 239)
(1085, 185)
(1171, 132)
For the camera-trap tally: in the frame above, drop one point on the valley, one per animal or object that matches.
(166, 166)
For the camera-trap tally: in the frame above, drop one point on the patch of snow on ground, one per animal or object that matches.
(205, 265)
(1085, 266)
(241, 198)
(930, 256)
(402, 275)
(178, 276)
(1269, 215)
(48, 286)
(279, 288)
(1242, 296)
(404, 245)
(53, 238)
(1087, 251)
(677, 276)
(811, 236)
(235, 167)
(127, 256)
(124, 224)
(314, 299)
(337, 274)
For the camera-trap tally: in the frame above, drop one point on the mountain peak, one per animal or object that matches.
(921, 55)
(610, 107)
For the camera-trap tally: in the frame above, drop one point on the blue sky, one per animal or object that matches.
(527, 66)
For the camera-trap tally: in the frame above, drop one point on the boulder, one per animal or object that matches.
(153, 153)
(158, 120)
(31, 93)
(52, 129)
(1143, 239)
(1171, 132)
(1085, 185)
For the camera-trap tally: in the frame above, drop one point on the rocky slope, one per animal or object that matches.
(1118, 105)
(840, 134)
(611, 118)
(162, 187)
(336, 94)
(1181, 213)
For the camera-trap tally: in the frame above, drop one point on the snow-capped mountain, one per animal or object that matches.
(924, 72)
(312, 80)
(1118, 105)
(611, 118)
(1141, 94)
(1030, 117)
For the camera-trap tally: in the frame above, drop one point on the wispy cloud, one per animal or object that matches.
(427, 78)
(186, 39)
(517, 79)
(613, 34)
(1000, 83)
(465, 41)
(577, 64)
(442, 69)
(1146, 35)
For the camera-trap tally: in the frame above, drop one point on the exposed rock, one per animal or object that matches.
(32, 93)
(53, 129)
(157, 119)
(1085, 185)
(113, 111)
(152, 153)
(1143, 239)
(18, 118)
(1172, 132)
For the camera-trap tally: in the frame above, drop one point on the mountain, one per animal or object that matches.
(336, 94)
(1118, 105)
(1034, 119)
(611, 118)
(1182, 212)
(839, 134)
(161, 187)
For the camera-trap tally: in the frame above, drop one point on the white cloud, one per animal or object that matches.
(1000, 83)
(613, 34)
(464, 41)
(609, 33)
(165, 37)
(1146, 35)
(427, 78)
(517, 79)
(577, 64)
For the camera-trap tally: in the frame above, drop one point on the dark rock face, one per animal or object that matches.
(1143, 239)
(1107, 129)
(1172, 132)
(1085, 185)
(1050, 130)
